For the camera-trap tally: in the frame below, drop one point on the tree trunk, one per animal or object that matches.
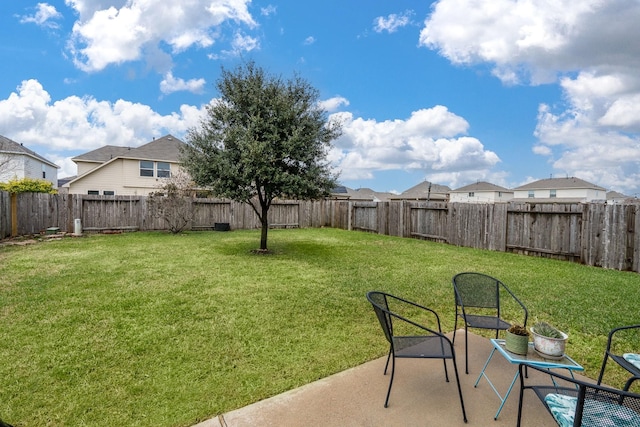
(264, 219)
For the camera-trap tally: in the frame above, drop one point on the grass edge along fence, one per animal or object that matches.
(597, 234)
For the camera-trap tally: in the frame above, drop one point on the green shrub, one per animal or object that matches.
(28, 185)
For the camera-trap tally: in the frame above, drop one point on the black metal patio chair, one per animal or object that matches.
(409, 339)
(573, 402)
(478, 304)
(616, 351)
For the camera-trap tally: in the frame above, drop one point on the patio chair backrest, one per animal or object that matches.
(621, 351)
(381, 307)
(477, 290)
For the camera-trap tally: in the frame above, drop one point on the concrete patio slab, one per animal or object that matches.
(420, 397)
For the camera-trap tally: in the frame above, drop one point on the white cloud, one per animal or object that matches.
(44, 16)
(84, 123)
(184, 40)
(586, 47)
(528, 39)
(309, 40)
(624, 112)
(392, 22)
(333, 104)
(268, 11)
(430, 140)
(536, 39)
(123, 32)
(597, 136)
(170, 84)
(592, 152)
(240, 44)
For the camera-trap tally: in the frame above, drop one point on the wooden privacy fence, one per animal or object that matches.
(595, 234)
(37, 212)
(592, 233)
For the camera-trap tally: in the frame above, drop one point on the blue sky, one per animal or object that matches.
(450, 91)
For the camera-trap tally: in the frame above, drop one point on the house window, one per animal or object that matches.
(93, 192)
(163, 169)
(499, 193)
(146, 168)
(109, 193)
(44, 172)
(552, 193)
(531, 193)
(471, 194)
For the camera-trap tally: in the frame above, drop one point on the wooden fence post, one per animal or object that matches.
(14, 214)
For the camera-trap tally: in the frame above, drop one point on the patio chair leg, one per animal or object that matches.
(466, 351)
(455, 328)
(446, 374)
(393, 369)
(604, 363)
(387, 364)
(455, 368)
(520, 406)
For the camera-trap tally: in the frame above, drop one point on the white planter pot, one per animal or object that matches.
(551, 346)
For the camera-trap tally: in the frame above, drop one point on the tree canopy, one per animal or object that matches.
(264, 138)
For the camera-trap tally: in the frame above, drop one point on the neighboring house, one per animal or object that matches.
(340, 193)
(614, 197)
(18, 162)
(369, 194)
(559, 190)
(425, 191)
(481, 192)
(362, 194)
(113, 170)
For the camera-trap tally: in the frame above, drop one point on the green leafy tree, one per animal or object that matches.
(28, 185)
(264, 138)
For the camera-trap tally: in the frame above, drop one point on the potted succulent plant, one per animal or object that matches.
(517, 339)
(548, 340)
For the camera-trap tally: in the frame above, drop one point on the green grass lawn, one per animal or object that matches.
(153, 329)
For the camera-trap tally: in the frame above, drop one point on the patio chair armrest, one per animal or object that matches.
(555, 375)
(615, 331)
(631, 380)
(420, 326)
(524, 308)
(413, 304)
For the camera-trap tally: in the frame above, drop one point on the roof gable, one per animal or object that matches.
(103, 154)
(9, 146)
(423, 189)
(166, 148)
(481, 186)
(558, 183)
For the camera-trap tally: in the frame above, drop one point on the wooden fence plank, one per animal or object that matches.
(428, 220)
(5, 214)
(548, 229)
